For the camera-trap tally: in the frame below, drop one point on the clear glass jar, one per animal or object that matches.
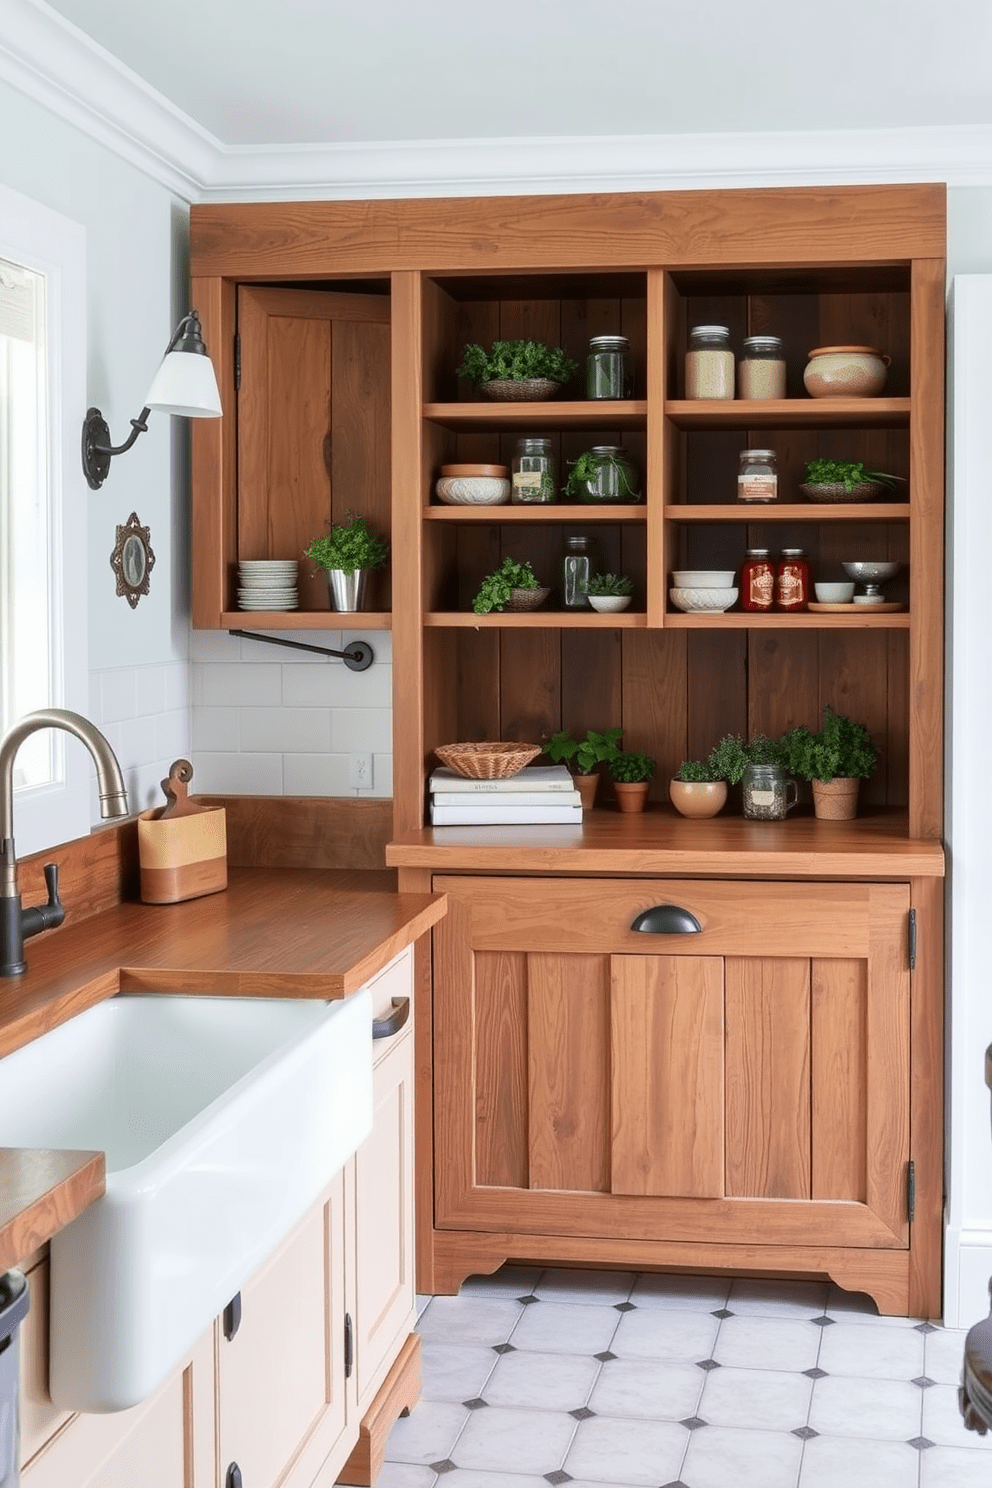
(757, 580)
(792, 581)
(761, 372)
(610, 477)
(709, 363)
(767, 792)
(757, 475)
(581, 558)
(533, 473)
(609, 371)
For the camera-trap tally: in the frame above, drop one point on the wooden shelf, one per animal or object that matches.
(537, 620)
(587, 414)
(788, 413)
(563, 511)
(305, 620)
(748, 620)
(781, 511)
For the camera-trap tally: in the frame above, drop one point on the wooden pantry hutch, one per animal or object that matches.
(764, 1095)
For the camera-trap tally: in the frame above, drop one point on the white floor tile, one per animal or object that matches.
(943, 1355)
(654, 1333)
(653, 1390)
(769, 1400)
(689, 1293)
(508, 1281)
(465, 1320)
(767, 1343)
(405, 1475)
(476, 1478)
(427, 1434)
(455, 1372)
(720, 1456)
(886, 1410)
(498, 1439)
(951, 1467)
(872, 1352)
(778, 1298)
(839, 1301)
(842, 1462)
(943, 1423)
(423, 1302)
(606, 1287)
(635, 1452)
(556, 1382)
(565, 1328)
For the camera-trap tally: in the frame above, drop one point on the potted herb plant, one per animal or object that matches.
(348, 554)
(512, 586)
(517, 371)
(699, 787)
(845, 480)
(609, 593)
(835, 761)
(631, 779)
(584, 756)
(603, 474)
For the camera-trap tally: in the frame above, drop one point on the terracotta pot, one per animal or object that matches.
(837, 799)
(587, 786)
(698, 797)
(632, 795)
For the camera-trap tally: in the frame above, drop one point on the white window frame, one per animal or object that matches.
(41, 239)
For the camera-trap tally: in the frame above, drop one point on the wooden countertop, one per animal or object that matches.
(40, 1193)
(659, 841)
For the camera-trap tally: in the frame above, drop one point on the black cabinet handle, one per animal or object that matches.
(232, 1316)
(349, 1345)
(233, 1479)
(394, 1021)
(667, 919)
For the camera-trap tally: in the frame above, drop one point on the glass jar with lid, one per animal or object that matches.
(757, 580)
(761, 372)
(757, 475)
(709, 363)
(767, 793)
(792, 581)
(533, 473)
(581, 558)
(609, 371)
(604, 474)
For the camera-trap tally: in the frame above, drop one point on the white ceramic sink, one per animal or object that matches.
(223, 1119)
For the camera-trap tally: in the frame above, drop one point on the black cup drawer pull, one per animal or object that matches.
(667, 919)
(394, 1021)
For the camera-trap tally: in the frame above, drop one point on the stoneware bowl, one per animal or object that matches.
(845, 372)
(698, 798)
(699, 601)
(609, 604)
(834, 593)
(703, 578)
(473, 490)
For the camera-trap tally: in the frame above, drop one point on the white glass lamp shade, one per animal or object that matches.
(185, 384)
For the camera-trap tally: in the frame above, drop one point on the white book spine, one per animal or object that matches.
(483, 799)
(481, 816)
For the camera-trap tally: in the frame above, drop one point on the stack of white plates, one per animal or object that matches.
(268, 584)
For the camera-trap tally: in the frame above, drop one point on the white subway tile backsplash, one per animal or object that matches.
(216, 729)
(238, 684)
(333, 685)
(361, 729)
(238, 774)
(117, 692)
(317, 775)
(327, 640)
(149, 690)
(172, 736)
(285, 730)
(177, 686)
(213, 645)
(382, 776)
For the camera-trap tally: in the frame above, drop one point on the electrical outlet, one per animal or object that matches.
(361, 772)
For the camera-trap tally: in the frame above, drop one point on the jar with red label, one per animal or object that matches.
(792, 581)
(757, 580)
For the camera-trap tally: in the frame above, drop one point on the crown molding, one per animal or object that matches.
(53, 62)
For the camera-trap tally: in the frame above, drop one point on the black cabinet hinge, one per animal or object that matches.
(911, 1191)
(349, 1345)
(911, 940)
(237, 360)
(232, 1316)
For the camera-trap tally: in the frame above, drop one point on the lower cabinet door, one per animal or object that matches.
(747, 1080)
(281, 1391)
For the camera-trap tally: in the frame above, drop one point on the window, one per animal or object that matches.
(42, 511)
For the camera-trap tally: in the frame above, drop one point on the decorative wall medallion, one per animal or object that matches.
(132, 560)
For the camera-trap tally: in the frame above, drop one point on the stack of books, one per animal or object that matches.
(539, 793)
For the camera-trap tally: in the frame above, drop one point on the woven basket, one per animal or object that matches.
(487, 761)
(836, 491)
(526, 599)
(526, 390)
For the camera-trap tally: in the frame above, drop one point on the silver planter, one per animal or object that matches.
(348, 591)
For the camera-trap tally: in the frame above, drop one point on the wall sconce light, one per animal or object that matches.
(184, 384)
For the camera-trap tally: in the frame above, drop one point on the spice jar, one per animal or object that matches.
(767, 793)
(792, 581)
(580, 560)
(533, 472)
(604, 474)
(757, 580)
(757, 475)
(609, 372)
(709, 363)
(761, 373)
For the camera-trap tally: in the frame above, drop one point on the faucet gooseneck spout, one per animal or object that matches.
(17, 924)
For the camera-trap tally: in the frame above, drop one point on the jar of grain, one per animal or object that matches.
(757, 475)
(767, 793)
(709, 363)
(761, 373)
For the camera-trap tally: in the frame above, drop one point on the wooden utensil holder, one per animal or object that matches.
(182, 857)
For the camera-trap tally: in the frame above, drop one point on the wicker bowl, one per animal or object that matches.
(525, 390)
(487, 761)
(836, 491)
(526, 599)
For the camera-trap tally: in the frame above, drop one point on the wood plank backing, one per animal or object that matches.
(768, 1069)
(839, 1071)
(568, 1056)
(667, 1076)
(305, 831)
(500, 1116)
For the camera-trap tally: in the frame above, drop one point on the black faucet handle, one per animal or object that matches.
(52, 882)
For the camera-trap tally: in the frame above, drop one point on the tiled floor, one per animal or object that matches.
(545, 1377)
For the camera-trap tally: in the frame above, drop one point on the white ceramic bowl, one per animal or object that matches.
(698, 601)
(609, 604)
(834, 593)
(703, 578)
(473, 490)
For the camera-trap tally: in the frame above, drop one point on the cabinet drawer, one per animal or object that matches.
(595, 916)
(392, 994)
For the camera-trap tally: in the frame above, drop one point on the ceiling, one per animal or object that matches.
(273, 74)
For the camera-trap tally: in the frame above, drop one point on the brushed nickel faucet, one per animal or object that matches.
(17, 924)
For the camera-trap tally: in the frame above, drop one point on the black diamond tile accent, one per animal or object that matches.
(444, 1466)
(722, 1312)
(693, 1423)
(528, 1300)
(925, 1328)
(822, 1322)
(805, 1433)
(815, 1374)
(504, 1348)
(558, 1476)
(923, 1381)
(477, 1404)
(582, 1414)
(604, 1357)
(624, 1307)
(677, 1483)
(707, 1364)
(921, 1443)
